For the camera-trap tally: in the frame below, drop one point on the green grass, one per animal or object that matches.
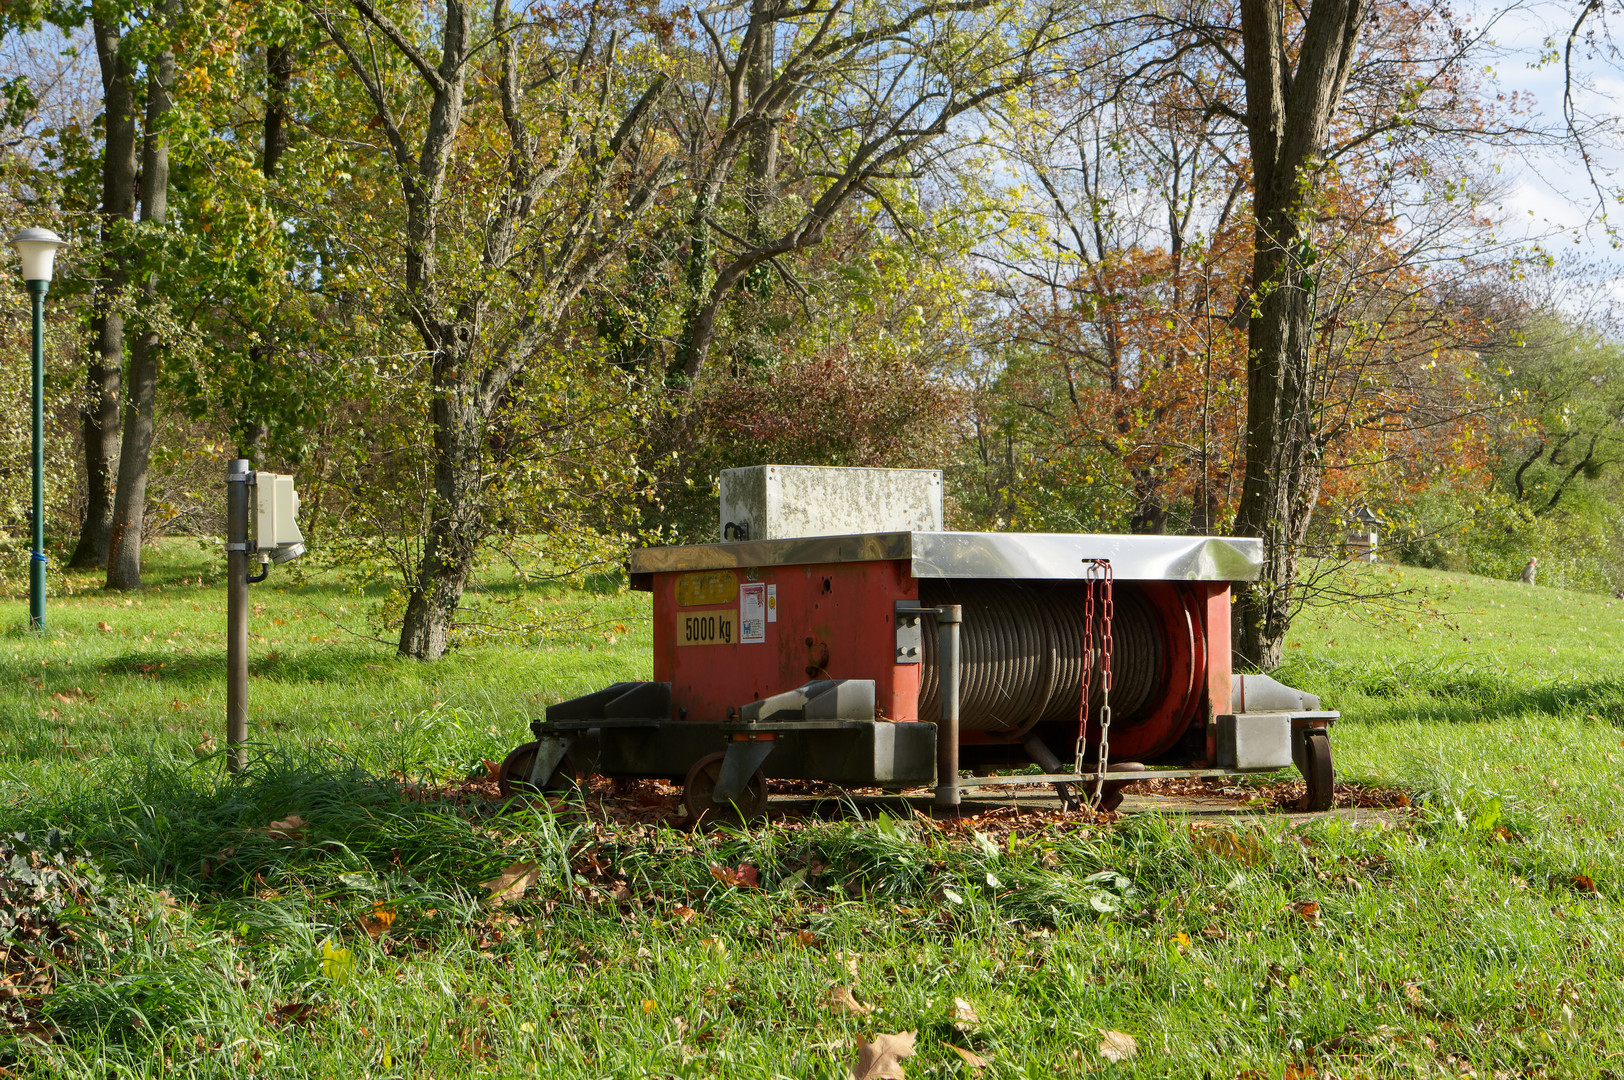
(1465, 937)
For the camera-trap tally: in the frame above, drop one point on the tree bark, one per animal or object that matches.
(278, 81)
(1288, 115)
(456, 526)
(135, 454)
(99, 413)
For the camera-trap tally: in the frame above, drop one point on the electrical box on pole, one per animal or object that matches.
(261, 519)
(276, 508)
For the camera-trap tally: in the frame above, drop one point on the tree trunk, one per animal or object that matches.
(455, 527)
(99, 413)
(278, 81)
(135, 455)
(1282, 474)
(1288, 113)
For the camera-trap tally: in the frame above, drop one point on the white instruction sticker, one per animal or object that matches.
(752, 614)
(772, 603)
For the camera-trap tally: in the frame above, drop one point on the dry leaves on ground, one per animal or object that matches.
(882, 1058)
(965, 1016)
(378, 922)
(287, 828)
(512, 883)
(971, 1058)
(841, 997)
(743, 876)
(1117, 1046)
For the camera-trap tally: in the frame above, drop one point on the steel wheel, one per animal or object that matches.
(1315, 764)
(701, 782)
(1111, 794)
(513, 775)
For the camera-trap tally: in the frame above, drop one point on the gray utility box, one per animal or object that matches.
(774, 502)
(1254, 741)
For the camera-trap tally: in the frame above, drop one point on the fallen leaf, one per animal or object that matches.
(512, 883)
(804, 938)
(882, 1058)
(1583, 883)
(492, 770)
(971, 1058)
(1226, 844)
(377, 924)
(286, 827)
(743, 876)
(103, 627)
(1414, 994)
(1308, 909)
(964, 1014)
(621, 892)
(337, 964)
(841, 997)
(1117, 1046)
(684, 913)
(292, 1012)
(648, 1006)
(849, 959)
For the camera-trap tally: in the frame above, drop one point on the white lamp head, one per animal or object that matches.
(38, 248)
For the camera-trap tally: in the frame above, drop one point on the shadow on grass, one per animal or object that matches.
(1458, 692)
(355, 663)
(310, 827)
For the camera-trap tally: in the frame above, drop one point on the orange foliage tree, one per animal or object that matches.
(1134, 319)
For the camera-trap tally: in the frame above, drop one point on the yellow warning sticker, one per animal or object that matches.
(703, 590)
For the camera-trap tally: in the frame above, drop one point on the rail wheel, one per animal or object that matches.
(513, 775)
(1111, 794)
(701, 783)
(1314, 761)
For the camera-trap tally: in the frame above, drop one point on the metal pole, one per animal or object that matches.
(948, 617)
(36, 561)
(238, 479)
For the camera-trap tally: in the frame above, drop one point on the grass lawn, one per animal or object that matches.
(323, 914)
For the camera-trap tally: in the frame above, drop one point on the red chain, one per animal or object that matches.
(1098, 580)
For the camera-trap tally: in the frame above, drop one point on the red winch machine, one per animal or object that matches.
(836, 632)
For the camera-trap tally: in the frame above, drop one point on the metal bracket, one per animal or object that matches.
(550, 750)
(910, 632)
(741, 760)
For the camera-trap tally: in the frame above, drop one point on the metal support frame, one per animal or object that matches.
(550, 750)
(740, 761)
(948, 619)
(239, 477)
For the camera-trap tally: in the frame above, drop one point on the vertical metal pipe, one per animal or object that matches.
(948, 617)
(36, 559)
(237, 482)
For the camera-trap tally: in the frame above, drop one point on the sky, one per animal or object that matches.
(1547, 196)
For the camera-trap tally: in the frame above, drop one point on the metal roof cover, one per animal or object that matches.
(1054, 556)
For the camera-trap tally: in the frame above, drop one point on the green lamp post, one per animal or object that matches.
(38, 248)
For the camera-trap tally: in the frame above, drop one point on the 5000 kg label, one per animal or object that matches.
(707, 628)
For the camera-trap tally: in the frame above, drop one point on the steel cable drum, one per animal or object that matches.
(1021, 653)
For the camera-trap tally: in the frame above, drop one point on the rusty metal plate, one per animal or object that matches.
(707, 590)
